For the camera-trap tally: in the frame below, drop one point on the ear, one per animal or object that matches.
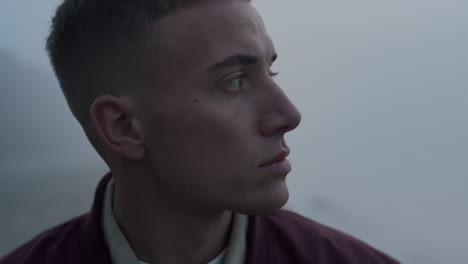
(117, 126)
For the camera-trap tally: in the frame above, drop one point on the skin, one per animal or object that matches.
(192, 149)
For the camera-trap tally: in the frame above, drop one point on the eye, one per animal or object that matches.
(236, 83)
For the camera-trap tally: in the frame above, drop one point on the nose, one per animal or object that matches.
(280, 115)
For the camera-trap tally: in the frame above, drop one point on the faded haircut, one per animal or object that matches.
(95, 48)
(90, 37)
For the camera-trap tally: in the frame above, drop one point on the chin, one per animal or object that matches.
(264, 202)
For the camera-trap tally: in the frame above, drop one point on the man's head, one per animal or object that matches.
(185, 96)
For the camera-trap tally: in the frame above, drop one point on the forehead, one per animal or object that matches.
(206, 32)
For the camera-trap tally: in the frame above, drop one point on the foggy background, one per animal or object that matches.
(381, 153)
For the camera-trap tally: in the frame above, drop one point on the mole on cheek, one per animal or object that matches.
(196, 100)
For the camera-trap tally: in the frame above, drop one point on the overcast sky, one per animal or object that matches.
(382, 151)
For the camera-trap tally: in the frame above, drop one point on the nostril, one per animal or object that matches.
(280, 114)
(286, 129)
(293, 122)
(292, 117)
(281, 122)
(296, 119)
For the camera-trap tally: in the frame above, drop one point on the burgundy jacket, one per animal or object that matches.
(281, 237)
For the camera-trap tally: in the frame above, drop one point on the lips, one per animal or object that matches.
(277, 159)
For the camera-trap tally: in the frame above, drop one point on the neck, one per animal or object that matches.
(160, 230)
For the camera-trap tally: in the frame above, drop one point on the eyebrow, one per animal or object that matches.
(238, 59)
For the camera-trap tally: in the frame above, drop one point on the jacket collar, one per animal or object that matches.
(91, 246)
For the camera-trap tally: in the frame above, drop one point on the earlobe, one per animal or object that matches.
(117, 127)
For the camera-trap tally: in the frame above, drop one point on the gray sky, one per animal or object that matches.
(382, 152)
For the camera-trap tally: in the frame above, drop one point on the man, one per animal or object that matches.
(178, 98)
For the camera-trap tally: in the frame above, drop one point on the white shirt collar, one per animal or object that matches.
(121, 253)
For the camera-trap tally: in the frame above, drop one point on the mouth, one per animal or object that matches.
(278, 159)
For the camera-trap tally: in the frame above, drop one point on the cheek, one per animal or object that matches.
(204, 143)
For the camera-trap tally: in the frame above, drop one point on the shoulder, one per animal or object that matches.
(55, 245)
(79, 240)
(305, 237)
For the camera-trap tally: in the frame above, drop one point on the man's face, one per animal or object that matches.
(214, 127)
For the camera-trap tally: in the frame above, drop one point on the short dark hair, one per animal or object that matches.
(94, 49)
(90, 38)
